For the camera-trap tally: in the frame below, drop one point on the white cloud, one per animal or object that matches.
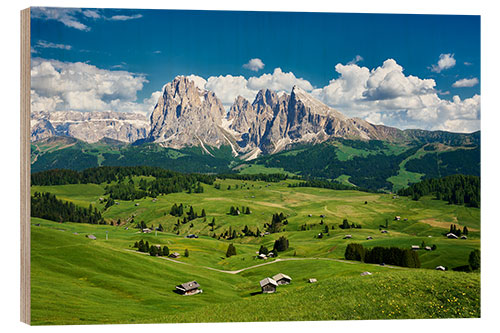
(446, 61)
(278, 81)
(356, 59)
(72, 17)
(254, 64)
(124, 17)
(49, 45)
(228, 87)
(91, 14)
(83, 87)
(385, 95)
(198, 80)
(67, 16)
(466, 63)
(465, 83)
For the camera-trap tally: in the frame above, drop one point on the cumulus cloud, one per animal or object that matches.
(465, 83)
(254, 64)
(385, 95)
(446, 61)
(278, 81)
(83, 87)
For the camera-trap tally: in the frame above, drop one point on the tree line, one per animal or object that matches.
(47, 206)
(378, 255)
(456, 189)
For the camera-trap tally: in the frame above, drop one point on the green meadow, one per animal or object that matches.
(76, 280)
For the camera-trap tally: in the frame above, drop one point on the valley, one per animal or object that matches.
(125, 284)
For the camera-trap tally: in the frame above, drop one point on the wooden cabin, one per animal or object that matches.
(282, 279)
(188, 288)
(451, 235)
(312, 280)
(174, 255)
(268, 285)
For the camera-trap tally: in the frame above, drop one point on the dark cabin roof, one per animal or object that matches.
(188, 286)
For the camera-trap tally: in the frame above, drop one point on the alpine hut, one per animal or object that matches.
(268, 285)
(189, 288)
(282, 279)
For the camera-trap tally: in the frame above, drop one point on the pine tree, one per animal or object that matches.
(231, 250)
(153, 251)
(186, 253)
(475, 259)
(166, 251)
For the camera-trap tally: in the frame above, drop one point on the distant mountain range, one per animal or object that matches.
(186, 116)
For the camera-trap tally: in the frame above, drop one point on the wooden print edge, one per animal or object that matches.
(25, 166)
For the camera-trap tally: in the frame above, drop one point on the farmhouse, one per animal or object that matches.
(270, 255)
(268, 285)
(397, 218)
(384, 231)
(192, 236)
(463, 237)
(415, 247)
(174, 255)
(366, 273)
(347, 237)
(137, 204)
(369, 237)
(451, 235)
(282, 278)
(440, 268)
(262, 256)
(309, 215)
(92, 237)
(146, 230)
(189, 288)
(312, 280)
(428, 248)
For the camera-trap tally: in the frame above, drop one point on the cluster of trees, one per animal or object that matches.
(47, 206)
(325, 184)
(231, 250)
(345, 225)
(236, 210)
(456, 189)
(153, 250)
(379, 255)
(277, 222)
(457, 231)
(248, 232)
(281, 244)
(269, 177)
(178, 211)
(165, 181)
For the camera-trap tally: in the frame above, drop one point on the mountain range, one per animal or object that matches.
(187, 116)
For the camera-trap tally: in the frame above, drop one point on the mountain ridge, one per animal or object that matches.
(187, 116)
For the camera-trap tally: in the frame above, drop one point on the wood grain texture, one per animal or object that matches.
(25, 167)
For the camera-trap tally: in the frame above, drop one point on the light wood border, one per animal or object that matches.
(25, 166)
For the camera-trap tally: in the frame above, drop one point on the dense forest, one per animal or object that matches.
(440, 164)
(47, 206)
(80, 155)
(321, 161)
(456, 189)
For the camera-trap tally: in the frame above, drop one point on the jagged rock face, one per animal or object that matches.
(187, 116)
(275, 121)
(89, 126)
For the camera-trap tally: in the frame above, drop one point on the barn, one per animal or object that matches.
(188, 288)
(268, 285)
(282, 279)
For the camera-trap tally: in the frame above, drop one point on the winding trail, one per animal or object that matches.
(255, 266)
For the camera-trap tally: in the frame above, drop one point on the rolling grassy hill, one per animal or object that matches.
(107, 281)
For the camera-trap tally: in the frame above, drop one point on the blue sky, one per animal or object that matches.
(158, 45)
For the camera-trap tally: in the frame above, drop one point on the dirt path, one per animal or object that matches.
(254, 266)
